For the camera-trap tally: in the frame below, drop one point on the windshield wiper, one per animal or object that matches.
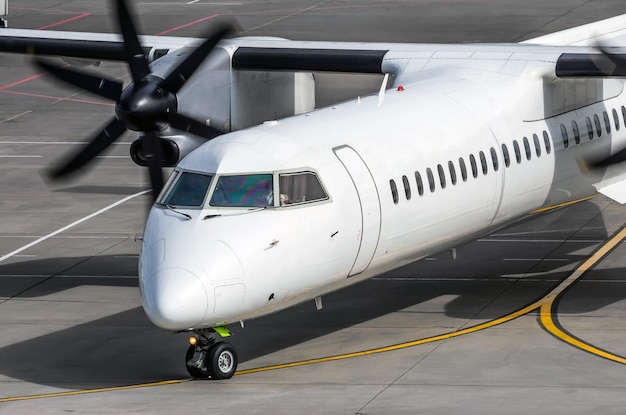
(217, 215)
(175, 211)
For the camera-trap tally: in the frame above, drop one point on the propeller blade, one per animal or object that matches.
(153, 156)
(185, 123)
(135, 56)
(613, 64)
(177, 78)
(616, 158)
(106, 88)
(101, 141)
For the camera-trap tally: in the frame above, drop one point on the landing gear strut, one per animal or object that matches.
(208, 358)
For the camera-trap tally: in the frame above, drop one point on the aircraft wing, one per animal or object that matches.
(249, 53)
(611, 31)
(275, 54)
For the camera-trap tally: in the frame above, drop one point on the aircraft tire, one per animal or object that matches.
(222, 360)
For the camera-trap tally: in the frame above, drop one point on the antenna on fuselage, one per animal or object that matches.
(383, 88)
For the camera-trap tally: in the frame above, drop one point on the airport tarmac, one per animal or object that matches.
(530, 319)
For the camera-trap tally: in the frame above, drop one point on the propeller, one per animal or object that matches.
(149, 104)
(614, 65)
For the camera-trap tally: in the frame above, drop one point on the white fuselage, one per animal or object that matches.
(229, 264)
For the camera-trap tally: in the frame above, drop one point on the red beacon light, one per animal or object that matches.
(400, 88)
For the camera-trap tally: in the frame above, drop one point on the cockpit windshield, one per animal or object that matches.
(250, 190)
(187, 190)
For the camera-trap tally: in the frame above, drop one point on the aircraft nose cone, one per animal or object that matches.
(175, 299)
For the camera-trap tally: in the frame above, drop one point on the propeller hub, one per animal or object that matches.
(145, 105)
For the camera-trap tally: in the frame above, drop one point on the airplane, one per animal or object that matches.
(273, 202)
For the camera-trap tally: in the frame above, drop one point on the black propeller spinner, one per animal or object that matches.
(149, 104)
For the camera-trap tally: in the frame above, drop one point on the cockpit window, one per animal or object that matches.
(298, 188)
(189, 190)
(252, 190)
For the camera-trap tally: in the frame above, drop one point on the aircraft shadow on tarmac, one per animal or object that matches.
(126, 348)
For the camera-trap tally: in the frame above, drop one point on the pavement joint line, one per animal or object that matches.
(58, 99)
(71, 225)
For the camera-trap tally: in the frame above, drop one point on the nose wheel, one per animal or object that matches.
(208, 359)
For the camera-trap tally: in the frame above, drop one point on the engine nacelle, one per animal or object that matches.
(173, 149)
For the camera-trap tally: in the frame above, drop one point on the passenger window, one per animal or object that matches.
(251, 190)
(596, 121)
(463, 169)
(452, 172)
(505, 154)
(576, 132)
(564, 135)
(607, 123)
(589, 128)
(616, 119)
(407, 187)
(537, 145)
(527, 148)
(483, 162)
(420, 184)
(394, 191)
(518, 154)
(188, 190)
(431, 179)
(494, 159)
(473, 165)
(546, 141)
(297, 188)
(442, 176)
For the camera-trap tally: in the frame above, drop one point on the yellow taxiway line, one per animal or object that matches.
(548, 312)
(560, 205)
(546, 306)
(97, 390)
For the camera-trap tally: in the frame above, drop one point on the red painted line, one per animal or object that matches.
(71, 19)
(186, 25)
(30, 78)
(81, 101)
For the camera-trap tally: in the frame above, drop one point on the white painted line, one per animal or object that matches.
(593, 241)
(58, 142)
(66, 276)
(545, 231)
(189, 3)
(71, 225)
(536, 259)
(20, 157)
(67, 236)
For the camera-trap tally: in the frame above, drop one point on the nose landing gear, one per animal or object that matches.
(207, 358)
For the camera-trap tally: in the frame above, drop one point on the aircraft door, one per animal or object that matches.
(369, 203)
